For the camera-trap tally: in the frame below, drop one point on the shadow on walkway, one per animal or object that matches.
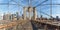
(33, 26)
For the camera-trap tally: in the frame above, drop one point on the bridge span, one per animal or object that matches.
(47, 24)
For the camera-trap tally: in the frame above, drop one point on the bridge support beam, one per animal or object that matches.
(30, 12)
(45, 27)
(34, 13)
(24, 12)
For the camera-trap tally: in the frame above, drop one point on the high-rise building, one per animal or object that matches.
(57, 18)
(17, 15)
(14, 17)
(11, 16)
(6, 17)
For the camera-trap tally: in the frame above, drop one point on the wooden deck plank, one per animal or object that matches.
(6, 24)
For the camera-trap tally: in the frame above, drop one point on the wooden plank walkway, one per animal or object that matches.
(5, 23)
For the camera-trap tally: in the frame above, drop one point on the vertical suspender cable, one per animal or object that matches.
(51, 8)
(30, 2)
(8, 5)
(40, 10)
(17, 13)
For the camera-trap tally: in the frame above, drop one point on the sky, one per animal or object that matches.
(44, 8)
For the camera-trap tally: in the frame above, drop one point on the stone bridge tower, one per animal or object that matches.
(29, 10)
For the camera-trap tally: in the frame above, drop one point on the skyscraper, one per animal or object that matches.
(6, 17)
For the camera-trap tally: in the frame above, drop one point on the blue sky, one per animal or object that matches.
(44, 8)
